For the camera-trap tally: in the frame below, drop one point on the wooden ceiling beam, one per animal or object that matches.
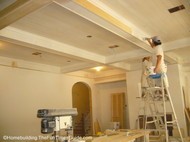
(19, 9)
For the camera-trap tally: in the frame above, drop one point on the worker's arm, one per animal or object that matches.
(150, 42)
(158, 62)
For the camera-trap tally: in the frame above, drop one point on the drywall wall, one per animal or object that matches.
(23, 92)
(186, 87)
(104, 101)
(133, 79)
(175, 79)
(187, 97)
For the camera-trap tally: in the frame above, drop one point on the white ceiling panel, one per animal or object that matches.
(33, 55)
(57, 23)
(153, 17)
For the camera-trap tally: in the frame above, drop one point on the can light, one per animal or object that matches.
(99, 68)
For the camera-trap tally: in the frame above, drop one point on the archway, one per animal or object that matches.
(81, 99)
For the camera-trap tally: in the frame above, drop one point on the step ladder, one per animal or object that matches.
(155, 110)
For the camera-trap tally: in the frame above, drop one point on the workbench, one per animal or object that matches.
(124, 135)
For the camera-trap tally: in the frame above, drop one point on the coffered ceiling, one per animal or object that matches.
(77, 35)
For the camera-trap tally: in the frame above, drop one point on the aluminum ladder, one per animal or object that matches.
(152, 113)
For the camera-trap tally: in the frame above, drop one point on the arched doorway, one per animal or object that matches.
(81, 99)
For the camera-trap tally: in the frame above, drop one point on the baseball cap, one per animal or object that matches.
(156, 40)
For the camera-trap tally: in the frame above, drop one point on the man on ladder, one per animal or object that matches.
(159, 74)
(160, 66)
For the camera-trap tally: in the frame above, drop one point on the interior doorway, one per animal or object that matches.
(118, 109)
(81, 99)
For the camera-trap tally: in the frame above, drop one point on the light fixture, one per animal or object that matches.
(99, 68)
(36, 53)
(177, 8)
(113, 46)
(88, 36)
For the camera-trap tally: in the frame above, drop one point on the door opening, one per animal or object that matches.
(118, 108)
(81, 99)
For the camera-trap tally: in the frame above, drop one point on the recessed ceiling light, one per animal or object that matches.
(99, 68)
(36, 53)
(113, 46)
(88, 36)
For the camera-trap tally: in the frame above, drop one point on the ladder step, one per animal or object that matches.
(171, 122)
(152, 121)
(168, 122)
(154, 88)
(172, 125)
(155, 115)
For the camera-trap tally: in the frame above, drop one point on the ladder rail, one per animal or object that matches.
(164, 107)
(174, 113)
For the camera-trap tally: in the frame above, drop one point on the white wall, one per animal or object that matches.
(186, 84)
(133, 78)
(23, 92)
(104, 101)
(175, 80)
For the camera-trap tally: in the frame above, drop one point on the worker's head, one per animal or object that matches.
(156, 41)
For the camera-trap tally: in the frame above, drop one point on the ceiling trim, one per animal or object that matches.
(126, 56)
(17, 36)
(20, 9)
(111, 78)
(170, 58)
(22, 64)
(76, 67)
(177, 44)
(122, 65)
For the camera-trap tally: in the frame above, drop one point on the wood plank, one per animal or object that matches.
(123, 137)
